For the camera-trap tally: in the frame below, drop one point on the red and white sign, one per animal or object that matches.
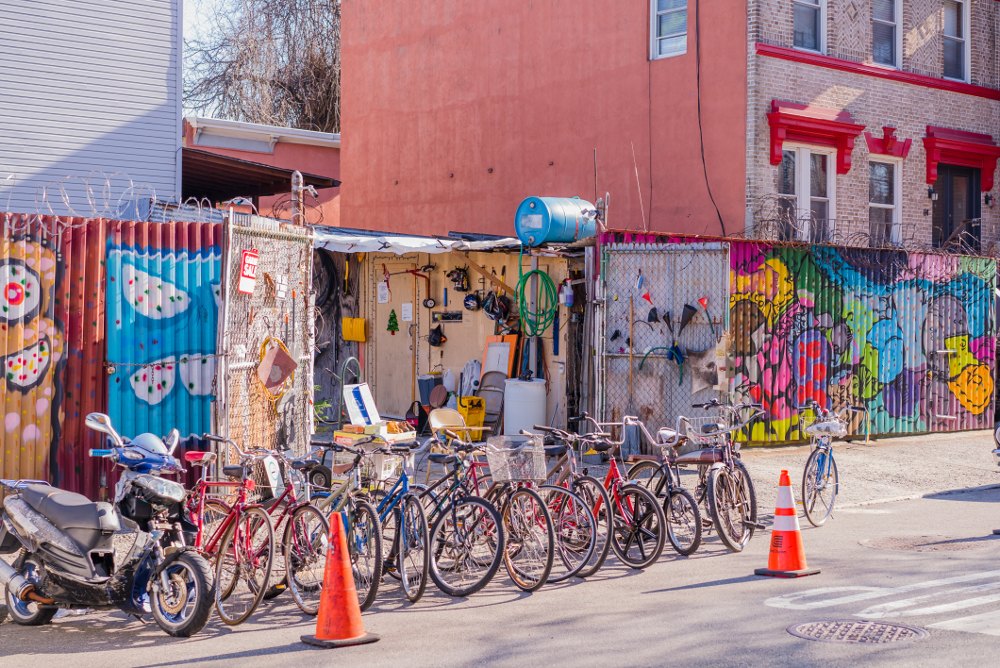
(248, 272)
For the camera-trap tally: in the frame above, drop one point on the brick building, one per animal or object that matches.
(894, 107)
(458, 110)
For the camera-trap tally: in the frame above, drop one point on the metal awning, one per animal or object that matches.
(220, 177)
(332, 239)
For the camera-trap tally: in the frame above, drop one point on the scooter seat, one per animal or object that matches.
(67, 510)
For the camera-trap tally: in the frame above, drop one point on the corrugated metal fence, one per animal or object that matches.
(912, 336)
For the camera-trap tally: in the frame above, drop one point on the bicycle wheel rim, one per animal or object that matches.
(575, 531)
(683, 522)
(365, 548)
(530, 538)
(820, 483)
(412, 554)
(596, 497)
(726, 500)
(306, 543)
(639, 531)
(649, 475)
(245, 557)
(466, 547)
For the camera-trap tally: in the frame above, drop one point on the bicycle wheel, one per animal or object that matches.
(411, 543)
(213, 514)
(575, 530)
(820, 484)
(246, 555)
(467, 546)
(597, 499)
(639, 530)
(364, 542)
(306, 543)
(650, 475)
(530, 549)
(729, 501)
(683, 521)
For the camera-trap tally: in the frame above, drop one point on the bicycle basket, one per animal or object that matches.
(516, 458)
(380, 467)
(820, 427)
(705, 430)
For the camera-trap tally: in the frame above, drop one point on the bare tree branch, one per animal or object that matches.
(268, 61)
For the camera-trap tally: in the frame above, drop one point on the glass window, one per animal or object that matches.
(669, 31)
(885, 25)
(954, 39)
(805, 196)
(808, 24)
(883, 207)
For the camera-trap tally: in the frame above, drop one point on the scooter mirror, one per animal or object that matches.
(173, 438)
(102, 423)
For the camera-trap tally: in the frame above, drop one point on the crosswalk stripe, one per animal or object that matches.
(895, 608)
(987, 623)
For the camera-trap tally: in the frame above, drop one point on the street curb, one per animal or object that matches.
(920, 495)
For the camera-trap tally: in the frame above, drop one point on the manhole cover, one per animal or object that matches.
(867, 633)
(931, 543)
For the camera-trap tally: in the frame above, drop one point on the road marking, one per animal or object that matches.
(987, 623)
(794, 601)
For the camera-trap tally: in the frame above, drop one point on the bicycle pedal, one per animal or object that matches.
(756, 525)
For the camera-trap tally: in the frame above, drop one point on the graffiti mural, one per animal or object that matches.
(911, 336)
(162, 311)
(31, 348)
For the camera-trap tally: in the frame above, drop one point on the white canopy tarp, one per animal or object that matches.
(346, 242)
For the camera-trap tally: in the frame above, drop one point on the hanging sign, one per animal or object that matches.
(248, 272)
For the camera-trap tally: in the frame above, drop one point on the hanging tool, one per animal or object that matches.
(429, 302)
(704, 304)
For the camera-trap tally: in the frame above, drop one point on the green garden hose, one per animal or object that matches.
(535, 322)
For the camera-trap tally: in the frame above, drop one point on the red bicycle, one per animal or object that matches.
(238, 537)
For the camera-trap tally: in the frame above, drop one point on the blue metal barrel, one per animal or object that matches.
(542, 220)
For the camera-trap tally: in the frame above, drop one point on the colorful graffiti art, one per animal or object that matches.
(31, 348)
(911, 336)
(162, 310)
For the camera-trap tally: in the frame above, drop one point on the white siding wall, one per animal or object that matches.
(88, 86)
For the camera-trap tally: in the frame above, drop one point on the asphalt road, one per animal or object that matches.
(930, 562)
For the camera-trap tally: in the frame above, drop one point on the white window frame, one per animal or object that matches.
(822, 24)
(967, 42)
(898, 18)
(803, 190)
(654, 37)
(896, 236)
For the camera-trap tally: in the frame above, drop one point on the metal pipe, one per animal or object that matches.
(19, 588)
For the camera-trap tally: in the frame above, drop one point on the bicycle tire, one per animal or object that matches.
(751, 492)
(728, 503)
(306, 542)
(650, 475)
(412, 554)
(683, 522)
(251, 521)
(458, 530)
(639, 526)
(530, 548)
(596, 496)
(364, 544)
(811, 491)
(575, 530)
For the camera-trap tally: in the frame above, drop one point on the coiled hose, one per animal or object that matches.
(536, 322)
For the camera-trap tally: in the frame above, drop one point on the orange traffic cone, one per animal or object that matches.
(788, 557)
(339, 621)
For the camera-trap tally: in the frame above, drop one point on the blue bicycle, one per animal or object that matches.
(820, 480)
(404, 527)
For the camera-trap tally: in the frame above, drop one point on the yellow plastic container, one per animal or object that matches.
(473, 409)
(353, 329)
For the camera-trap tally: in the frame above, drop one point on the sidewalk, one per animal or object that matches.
(889, 468)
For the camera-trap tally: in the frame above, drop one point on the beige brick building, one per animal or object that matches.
(826, 76)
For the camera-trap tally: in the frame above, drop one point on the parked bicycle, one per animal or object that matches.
(724, 488)
(239, 537)
(638, 523)
(820, 478)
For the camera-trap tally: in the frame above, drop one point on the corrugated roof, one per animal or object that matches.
(219, 177)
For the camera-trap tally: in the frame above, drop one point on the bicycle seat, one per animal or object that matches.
(706, 456)
(304, 464)
(199, 458)
(601, 446)
(442, 458)
(557, 450)
(233, 471)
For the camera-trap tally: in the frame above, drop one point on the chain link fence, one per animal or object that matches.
(665, 312)
(280, 311)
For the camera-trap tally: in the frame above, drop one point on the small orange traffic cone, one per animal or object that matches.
(788, 557)
(339, 621)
